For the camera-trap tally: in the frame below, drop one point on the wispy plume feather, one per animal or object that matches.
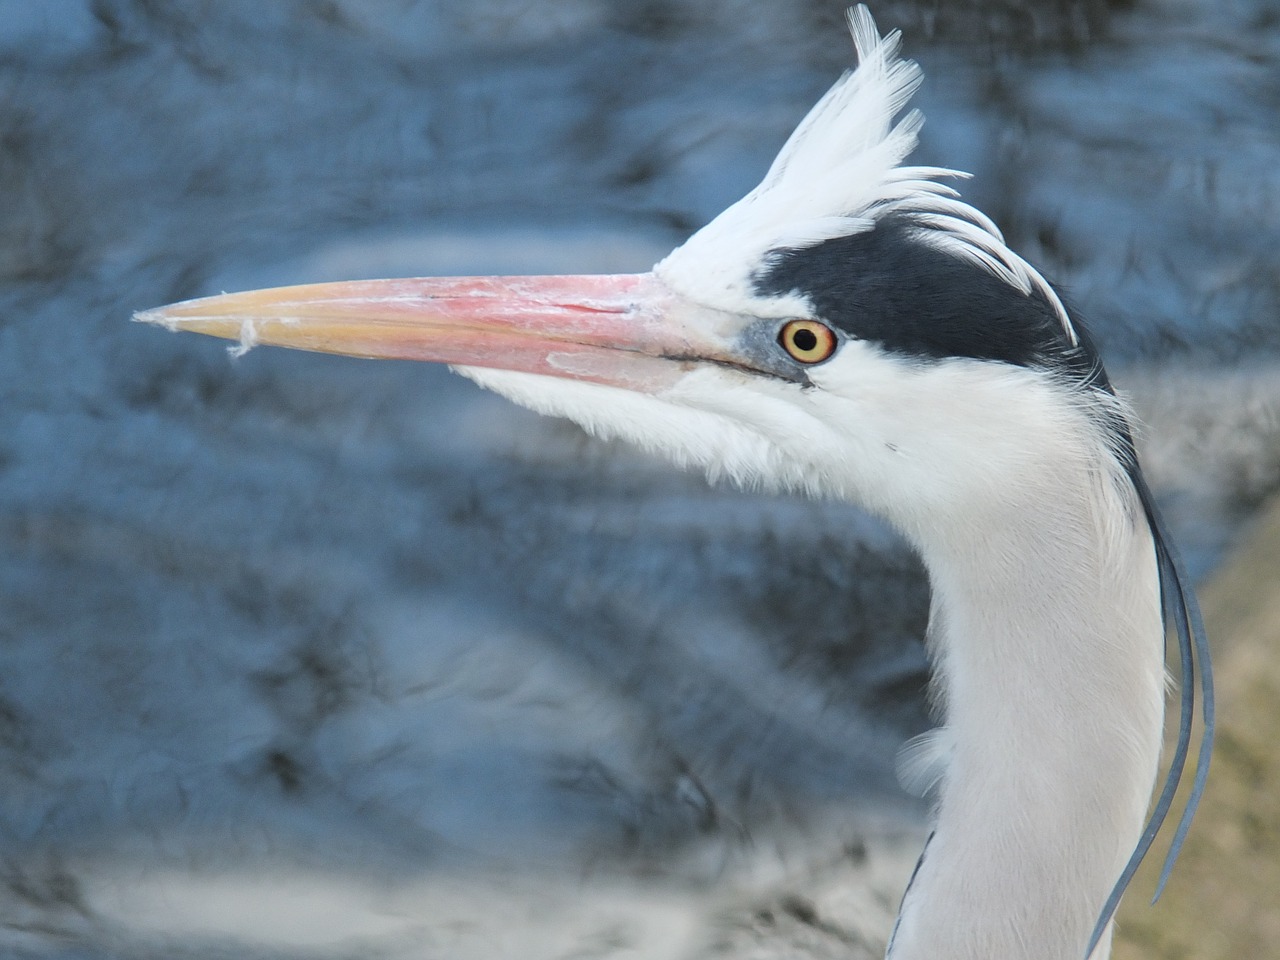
(837, 174)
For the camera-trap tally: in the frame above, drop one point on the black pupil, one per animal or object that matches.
(804, 339)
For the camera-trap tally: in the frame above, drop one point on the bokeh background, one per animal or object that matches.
(307, 657)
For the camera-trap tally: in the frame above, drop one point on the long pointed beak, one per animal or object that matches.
(624, 329)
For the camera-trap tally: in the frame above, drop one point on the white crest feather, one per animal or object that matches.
(837, 174)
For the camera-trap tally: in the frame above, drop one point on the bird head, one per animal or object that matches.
(850, 328)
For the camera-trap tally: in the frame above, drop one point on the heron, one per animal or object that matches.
(853, 328)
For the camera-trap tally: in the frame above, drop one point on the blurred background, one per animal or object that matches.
(307, 657)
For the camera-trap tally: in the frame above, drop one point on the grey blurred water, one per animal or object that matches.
(310, 657)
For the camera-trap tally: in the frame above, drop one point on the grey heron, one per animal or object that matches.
(852, 328)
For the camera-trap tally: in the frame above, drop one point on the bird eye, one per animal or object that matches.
(807, 341)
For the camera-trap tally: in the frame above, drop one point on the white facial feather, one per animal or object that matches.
(881, 430)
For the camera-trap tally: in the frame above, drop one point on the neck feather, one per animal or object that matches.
(1046, 634)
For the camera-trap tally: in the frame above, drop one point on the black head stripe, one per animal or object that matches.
(890, 286)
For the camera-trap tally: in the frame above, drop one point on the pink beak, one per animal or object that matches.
(627, 330)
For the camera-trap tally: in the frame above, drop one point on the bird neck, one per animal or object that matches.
(1046, 636)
